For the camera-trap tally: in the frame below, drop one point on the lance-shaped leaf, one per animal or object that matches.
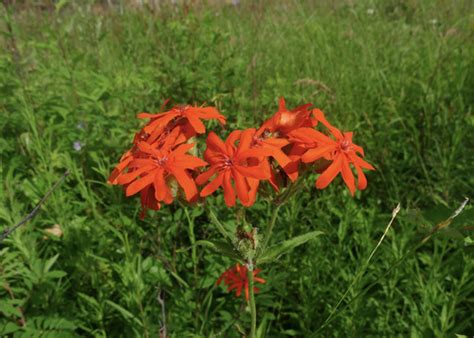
(224, 232)
(275, 251)
(222, 248)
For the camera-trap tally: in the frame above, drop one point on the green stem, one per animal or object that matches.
(269, 232)
(192, 239)
(252, 303)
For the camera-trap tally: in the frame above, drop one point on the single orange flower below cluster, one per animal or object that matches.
(236, 278)
(162, 163)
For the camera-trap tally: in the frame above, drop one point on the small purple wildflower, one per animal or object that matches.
(77, 145)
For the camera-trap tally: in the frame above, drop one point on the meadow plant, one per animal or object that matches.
(163, 165)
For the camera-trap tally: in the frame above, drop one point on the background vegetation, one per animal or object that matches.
(74, 76)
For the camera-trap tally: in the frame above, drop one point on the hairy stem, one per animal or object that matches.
(269, 231)
(252, 303)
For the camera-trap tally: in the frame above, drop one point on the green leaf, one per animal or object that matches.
(262, 328)
(56, 274)
(291, 332)
(60, 4)
(221, 247)
(92, 301)
(279, 249)
(49, 263)
(9, 328)
(9, 310)
(219, 225)
(125, 313)
(178, 278)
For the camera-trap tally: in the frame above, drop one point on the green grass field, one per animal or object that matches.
(400, 74)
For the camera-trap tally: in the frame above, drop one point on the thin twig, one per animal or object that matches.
(161, 301)
(394, 265)
(446, 222)
(361, 272)
(8, 231)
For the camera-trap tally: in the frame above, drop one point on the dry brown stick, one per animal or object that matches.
(161, 301)
(8, 231)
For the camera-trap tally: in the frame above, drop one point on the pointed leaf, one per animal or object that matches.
(49, 263)
(124, 312)
(274, 252)
(221, 247)
(219, 225)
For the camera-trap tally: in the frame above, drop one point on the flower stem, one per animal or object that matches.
(269, 231)
(252, 303)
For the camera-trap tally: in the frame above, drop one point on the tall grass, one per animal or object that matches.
(398, 73)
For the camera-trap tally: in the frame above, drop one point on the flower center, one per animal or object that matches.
(161, 161)
(257, 140)
(225, 163)
(345, 145)
(181, 109)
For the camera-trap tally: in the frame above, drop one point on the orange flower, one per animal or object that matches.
(267, 146)
(280, 125)
(270, 146)
(232, 163)
(284, 121)
(186, 117)
(156, 167)
(341, 151)
(237, 278)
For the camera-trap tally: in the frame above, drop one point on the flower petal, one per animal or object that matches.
(280, 157)
(329, 174)
(139, 184)
(255, 172)
(316, 153)
(160, 185)
(189, 162)
(241, 186)
(118, 170)
(195, 122)
(129, 177)
(183, 149)
(361, 179)
(245, 140)
(229, 192)
(208, 113)
(205, 176)
(347, 175)
(212, 186)
(308, 135)
(215, 143)
(277, 142)
(233, 137)
(360, 162)
(161, 121)
(186, 182)
(282, 104)
(253, 184)
(319, 115)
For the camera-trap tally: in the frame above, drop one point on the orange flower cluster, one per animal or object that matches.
(159, 163)
(236, 278)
